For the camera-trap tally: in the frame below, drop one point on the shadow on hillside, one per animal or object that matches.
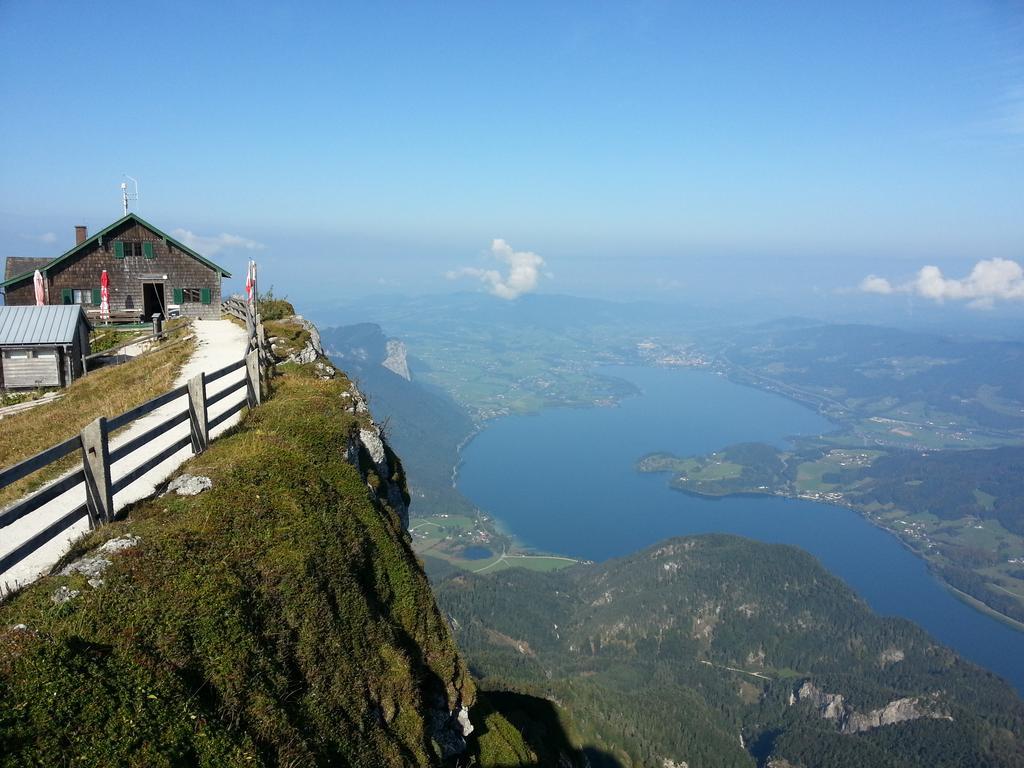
(542, 728)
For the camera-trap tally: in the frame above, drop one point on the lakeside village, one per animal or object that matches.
(683, 356)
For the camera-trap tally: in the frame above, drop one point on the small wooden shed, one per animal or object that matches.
(42, 346)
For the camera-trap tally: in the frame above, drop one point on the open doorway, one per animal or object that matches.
(153, 300)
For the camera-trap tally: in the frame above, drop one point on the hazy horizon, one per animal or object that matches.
(816, 161)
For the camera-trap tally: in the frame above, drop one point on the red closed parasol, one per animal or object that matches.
(104, 296)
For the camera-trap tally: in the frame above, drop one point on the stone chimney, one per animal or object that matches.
(81, 234)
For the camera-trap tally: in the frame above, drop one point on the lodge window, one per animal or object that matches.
(81, 296)
(124, 248)
(194, 295)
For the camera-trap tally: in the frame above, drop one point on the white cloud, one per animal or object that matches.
(989, 281)
(524, 270)
(668, 284)
(210, 245)
(875, 284)
(49, 238)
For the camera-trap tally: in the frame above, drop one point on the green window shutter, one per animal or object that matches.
(147, 250)
(179, 296)
(96, 298)
(65, 295)
(118, 249)
(204, 295)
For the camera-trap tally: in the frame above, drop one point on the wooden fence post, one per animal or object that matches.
(197, 413)
(96, 463)
(254, 390)
(250, 321)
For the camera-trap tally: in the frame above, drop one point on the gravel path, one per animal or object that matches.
(219, 343)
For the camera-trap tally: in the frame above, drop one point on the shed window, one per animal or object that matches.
(28, 354)
(81, 296)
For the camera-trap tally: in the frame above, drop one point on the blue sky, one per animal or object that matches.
(697, 148)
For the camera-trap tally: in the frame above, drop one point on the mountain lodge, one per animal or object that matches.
(149, 272)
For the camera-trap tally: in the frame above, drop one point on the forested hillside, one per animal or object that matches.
(718, 651)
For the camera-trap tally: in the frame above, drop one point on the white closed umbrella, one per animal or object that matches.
(40, 289)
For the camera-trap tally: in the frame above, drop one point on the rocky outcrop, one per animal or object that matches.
(396, 361)
(450, 728)
(92, 566)
(381, 468)
(312, 350)
(833, 706)
(367, 449)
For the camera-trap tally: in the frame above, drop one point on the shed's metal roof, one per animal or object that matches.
(51, 324)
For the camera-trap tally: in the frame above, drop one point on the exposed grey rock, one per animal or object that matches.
(189, 485)
(450, 728)
(367, 450)
(371, 440)
(891, 656)
(313, 350)
(896, 711)
(324, 370)
(832, 706)
(358, 400)
(119, 544)
(463, 720)
(396, 361)
(63, 595)
(92, 566)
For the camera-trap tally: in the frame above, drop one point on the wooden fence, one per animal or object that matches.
(164, 334)
(236, 307)
(96, 471)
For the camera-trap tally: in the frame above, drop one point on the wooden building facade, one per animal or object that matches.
(149, 272)
(42, 346)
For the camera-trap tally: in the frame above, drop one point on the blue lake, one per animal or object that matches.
(564, 480)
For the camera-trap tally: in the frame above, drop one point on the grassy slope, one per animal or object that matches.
(280, 618)
(107, 392)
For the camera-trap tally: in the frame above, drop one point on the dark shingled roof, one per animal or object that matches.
(98, 237)
(19, 265)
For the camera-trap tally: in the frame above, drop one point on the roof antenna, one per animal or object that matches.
(125, 196)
